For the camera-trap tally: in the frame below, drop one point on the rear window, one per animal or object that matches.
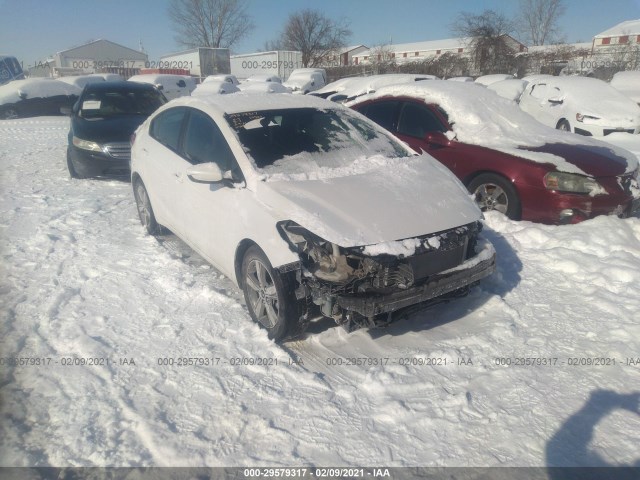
(108, 103)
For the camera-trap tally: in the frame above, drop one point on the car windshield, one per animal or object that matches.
(300, 139)
(108, 103)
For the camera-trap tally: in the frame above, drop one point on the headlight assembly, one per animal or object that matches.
(572, 182)
(87, 145)
(581, 118)
(322, 258)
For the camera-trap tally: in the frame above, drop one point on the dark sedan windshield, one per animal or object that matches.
(107, 103)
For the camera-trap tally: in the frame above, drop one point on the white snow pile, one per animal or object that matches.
(121, 350)
(628, 83)
(481, 117)
(35, 88)
(511, 89)
(487, 80)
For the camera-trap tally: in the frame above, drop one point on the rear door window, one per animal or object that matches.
(204, 142)
(418, 120)
(167, 126)
(383, 113)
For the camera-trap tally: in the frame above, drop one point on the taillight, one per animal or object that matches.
(132, 138)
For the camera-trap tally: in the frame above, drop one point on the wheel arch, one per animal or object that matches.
(244, 245)
(471, 177)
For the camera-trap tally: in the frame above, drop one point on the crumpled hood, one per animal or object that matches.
(418, 197)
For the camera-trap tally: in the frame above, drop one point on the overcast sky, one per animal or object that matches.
(34, 29)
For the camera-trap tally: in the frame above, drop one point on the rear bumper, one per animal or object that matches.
(470, 272)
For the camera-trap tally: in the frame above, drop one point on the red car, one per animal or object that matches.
(508, 160)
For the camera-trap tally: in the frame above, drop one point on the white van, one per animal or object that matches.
(305, 80)
(172, 86)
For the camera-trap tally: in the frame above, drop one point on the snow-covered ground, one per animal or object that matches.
(82, 283)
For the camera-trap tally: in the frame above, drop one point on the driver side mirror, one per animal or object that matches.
(437, 138)
(206, 172)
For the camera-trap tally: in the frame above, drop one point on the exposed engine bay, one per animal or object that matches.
(358, 290)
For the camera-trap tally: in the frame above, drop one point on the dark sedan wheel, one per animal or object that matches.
(493, 192)
(268, 294)
(73, 173)
(564, 126)
(145, 212)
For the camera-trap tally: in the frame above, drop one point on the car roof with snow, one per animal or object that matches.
(480, 117)
(247, 102)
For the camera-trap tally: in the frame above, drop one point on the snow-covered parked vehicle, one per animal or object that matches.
(214, 87)
(582, 105)
(171, 86)
(305, 80)
(309, 207)
(628, 83)
(508, 161)
(35, 97)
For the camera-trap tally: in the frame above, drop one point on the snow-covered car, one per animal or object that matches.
(628, 83)
(102, 121)
(263, 87)
(348, 89)
(264, 77)
(305, 80)
(508, 161)
(487, 80)
(214, 87)
(172, 86)
(229, 78)
(81, 80)
(511, 88)
(307, 206)
(36, 97)
(582, 105)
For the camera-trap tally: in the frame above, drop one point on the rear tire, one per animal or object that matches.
(269, 295)
(493, 192)
(145, 211)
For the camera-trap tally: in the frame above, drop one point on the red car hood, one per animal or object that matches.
(597, 161)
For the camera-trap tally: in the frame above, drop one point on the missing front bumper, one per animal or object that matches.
(370, 305)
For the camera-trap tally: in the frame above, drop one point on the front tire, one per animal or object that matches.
(269, 295)
(73, 173)
(145, 211)
(493, 192)
(10, 113)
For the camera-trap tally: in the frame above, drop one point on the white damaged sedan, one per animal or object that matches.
(313, 210)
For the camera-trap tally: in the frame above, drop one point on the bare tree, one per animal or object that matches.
(538, 20)
(383, 59)
(488, 33)
(315, 35)
(209, 23)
